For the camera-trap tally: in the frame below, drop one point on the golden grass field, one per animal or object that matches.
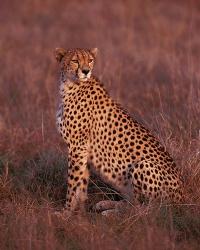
(149, 61)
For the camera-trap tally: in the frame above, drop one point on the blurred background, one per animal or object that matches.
(149, 57)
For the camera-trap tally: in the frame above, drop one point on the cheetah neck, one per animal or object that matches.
(66, 84)
(69, 84)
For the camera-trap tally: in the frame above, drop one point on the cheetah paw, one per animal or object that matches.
(63, 214)
(109, 207)
(110, 212)
(105, 205)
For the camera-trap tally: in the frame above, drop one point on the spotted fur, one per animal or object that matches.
(99, 131)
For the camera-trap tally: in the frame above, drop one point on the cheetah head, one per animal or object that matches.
(76, 64)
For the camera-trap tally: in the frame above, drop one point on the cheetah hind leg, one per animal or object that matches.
(110, 207)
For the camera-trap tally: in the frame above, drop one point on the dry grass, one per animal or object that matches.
(149, 61)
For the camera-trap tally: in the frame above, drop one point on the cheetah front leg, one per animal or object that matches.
(77, 178)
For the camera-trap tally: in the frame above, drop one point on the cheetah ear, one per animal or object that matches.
(94, 52)
(60, 53)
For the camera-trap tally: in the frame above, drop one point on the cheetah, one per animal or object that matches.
(100, 133)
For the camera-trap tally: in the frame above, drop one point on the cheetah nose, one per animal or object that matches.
(85, 71)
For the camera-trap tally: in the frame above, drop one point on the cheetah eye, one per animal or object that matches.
(90, 60)
(75, 61)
